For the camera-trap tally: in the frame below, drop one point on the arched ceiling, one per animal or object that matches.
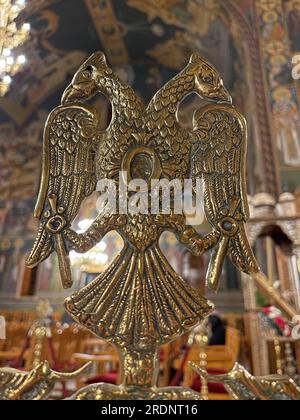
(146, 41)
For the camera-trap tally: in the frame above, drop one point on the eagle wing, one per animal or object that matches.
(219, 158)
(68, 174)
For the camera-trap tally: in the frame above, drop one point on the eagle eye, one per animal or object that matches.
(87, 73)
(207, 79)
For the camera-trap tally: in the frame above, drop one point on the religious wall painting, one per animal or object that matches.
(52, 58)
(277, 49)
(195, 14)
(35, 6)
(287, 126)
(109, 29)
(13, 253)
(19, 221)
(172, 53)
(292, 9)
(20, 152)
(216, 43)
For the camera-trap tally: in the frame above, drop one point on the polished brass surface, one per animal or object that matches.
(140, 303)
(241, 385)
(35, 385)
(113, 392)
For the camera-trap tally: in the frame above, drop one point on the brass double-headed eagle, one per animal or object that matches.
(35, 385)
(140, 302)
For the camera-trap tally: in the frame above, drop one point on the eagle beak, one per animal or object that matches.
(221, 95)
(73, 93)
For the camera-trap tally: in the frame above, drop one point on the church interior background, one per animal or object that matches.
(252, 44)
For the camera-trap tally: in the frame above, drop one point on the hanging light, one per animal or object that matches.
(11, 37)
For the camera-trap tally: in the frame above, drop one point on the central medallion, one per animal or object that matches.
(141, 162)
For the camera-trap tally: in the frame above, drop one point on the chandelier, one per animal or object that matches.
(11, 37)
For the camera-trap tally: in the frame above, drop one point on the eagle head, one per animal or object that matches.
(208, 83)
(84, 84)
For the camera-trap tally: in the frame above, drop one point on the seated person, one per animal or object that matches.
(217, 328)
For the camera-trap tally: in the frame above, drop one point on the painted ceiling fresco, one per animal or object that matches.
(251, 43)
(147, 41)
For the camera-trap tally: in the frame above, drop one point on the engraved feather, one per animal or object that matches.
(68, 170)
(219, 158)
